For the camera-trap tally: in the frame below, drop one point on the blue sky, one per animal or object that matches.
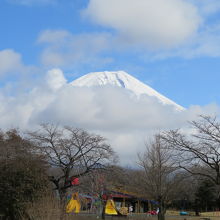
(186, 71)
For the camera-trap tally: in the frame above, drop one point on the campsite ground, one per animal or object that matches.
(141, 217)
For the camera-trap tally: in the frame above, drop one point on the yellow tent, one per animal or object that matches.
(110, 208)
(74, 204)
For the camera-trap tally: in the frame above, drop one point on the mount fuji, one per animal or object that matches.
(123, 80)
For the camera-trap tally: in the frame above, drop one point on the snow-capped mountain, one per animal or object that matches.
(123, 80)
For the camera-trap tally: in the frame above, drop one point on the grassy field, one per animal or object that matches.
(141, 217)
(133, 217)
(43, 212)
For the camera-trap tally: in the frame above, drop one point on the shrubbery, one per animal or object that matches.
(23, 175)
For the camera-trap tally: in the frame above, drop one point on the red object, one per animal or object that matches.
(104, 197)
(152, 212)
(75, 181)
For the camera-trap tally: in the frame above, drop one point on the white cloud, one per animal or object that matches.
(55, 79)
(66, 49)
(111, 112)
(146, 28)
(156, 24)
(9, 61)
(53, 36)
(155, 29)
(205, 43)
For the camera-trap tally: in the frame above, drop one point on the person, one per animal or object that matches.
(130, 209)
(157, 211)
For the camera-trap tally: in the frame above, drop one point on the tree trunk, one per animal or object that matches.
(162, 210)
(218, 202)
(63, 200)
(196, 208)
(103, 209)
(161, 214)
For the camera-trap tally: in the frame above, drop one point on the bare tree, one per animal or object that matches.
(198, 154)
(161, 178)
(73, 152)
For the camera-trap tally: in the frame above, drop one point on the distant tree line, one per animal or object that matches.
(178, 170)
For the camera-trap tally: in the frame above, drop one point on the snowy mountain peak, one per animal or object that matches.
(124, 80)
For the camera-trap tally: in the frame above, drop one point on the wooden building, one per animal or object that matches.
(123, 199)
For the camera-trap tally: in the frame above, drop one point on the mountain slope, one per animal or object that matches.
(124, 80)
